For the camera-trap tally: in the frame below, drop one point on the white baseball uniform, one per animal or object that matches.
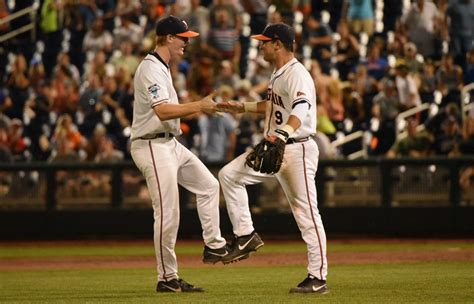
(291, 91)
(165, 163)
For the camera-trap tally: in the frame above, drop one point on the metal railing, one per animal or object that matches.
(351, 137)
(32, 11)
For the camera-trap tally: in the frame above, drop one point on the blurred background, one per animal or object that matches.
(395, 114)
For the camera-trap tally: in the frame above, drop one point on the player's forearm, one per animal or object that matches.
(261, 106)
(294, 122)
(168, 111)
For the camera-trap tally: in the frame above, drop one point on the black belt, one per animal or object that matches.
(157, 135)
(296, 140)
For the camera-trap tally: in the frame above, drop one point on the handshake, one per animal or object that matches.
(209, 106)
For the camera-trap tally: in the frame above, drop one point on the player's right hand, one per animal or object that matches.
(207, 104)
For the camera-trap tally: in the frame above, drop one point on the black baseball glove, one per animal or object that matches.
(267, 156)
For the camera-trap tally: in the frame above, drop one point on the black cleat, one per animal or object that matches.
(212, 256)
(176, 285)
(311, 285)
(242, 246)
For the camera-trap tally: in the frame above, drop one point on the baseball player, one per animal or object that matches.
(287, 153)
(164, 162)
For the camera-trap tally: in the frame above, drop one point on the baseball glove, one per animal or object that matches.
(267, 155)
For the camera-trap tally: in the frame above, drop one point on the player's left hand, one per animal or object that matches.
(267, 156)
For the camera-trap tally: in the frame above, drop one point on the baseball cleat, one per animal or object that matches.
(176, 285)
(212, 256)
(311, 285)
(242, 246)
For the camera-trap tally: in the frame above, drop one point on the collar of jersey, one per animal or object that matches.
(282, 70)
(155, 54)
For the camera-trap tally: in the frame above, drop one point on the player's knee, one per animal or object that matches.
(214, 185)
(223, 174)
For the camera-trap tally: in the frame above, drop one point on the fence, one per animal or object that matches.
(376, 182)
(389, 197)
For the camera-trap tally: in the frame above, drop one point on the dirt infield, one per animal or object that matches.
(257, 259)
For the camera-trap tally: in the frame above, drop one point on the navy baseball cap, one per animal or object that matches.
(172, 25)
(277, 31)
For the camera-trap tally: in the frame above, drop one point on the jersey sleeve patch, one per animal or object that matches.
(154, 91)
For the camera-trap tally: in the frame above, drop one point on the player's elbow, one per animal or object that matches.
(162, 113)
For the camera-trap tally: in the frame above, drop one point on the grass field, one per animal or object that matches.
(422, 280)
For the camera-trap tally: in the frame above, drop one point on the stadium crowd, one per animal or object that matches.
(68, 95)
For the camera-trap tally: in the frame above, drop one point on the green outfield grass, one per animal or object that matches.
(420, 282)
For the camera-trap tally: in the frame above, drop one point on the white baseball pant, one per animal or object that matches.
(297, 178)
(166, 163)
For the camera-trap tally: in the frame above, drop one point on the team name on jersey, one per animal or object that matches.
(275, 98)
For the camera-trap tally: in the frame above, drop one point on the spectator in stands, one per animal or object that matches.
(125, 57)
(65, 92)
(97, 38)
(51, 28)
(319, 36)
(329, 93)
(223, 38)
(260, 77)
(36, 73)
(449, 79)
(324, 123)
(128, 30)
(234, 19)
(406, 87)
(67, 135)
(354, 113)
(347, 50)
(107, 153)
(97, 64)
(360, 15)
(460, 14)
(218, 136)
(427, 81)
(365, 85)
(420, 20)
(377, 65)
(65, 62)
(38, 127)
(198, 18)
(434, 124)
(18, 145)
(385, 109)
(247, 123)
(18, 84)
(450, 137)
(93, 142)
(227, 76)
(414, 66)
(415, 144)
